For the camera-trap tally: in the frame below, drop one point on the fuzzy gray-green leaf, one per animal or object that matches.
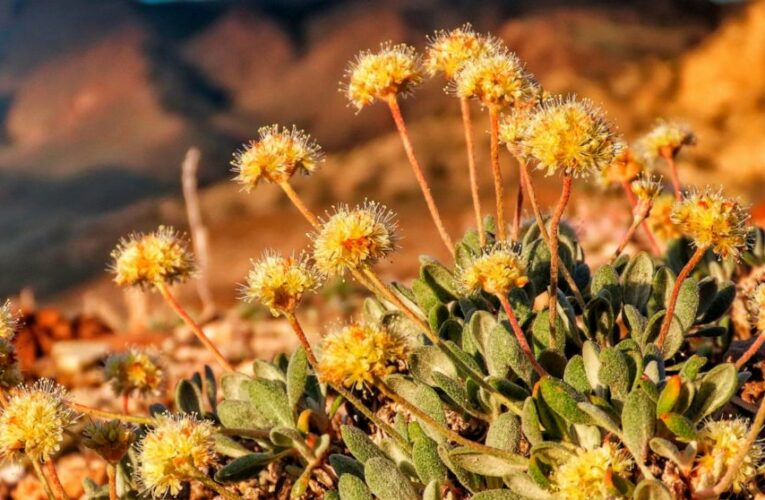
(362, 448)
(530, 424)
(427, 462)
(575, 375)
(614, 371)
(638, 422)
(387, 482)
(297, 375)
(351, 487)
(271, 398)
(425, 360)
(486, 465)
(563, 399)
(717, 387)
(637, 278)
(504, 432)
(651, 489)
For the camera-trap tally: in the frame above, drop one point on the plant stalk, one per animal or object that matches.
(667, 321)
(298, 202)
(518, 205)
(42, 478)
(499, 187)
(554, 258)
(669, 157)
(108, 415)
(646, 228)
(520, 337)
(111, 474)
(55, 483)
(467, 124)
(637, 220)
(751, 351)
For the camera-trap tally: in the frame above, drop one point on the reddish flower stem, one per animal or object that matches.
(467, 124)
(520, 337)
(298, 202)
(499, 188)
(646, 228)
(667, 321)
(55, 482)
(676, 186)
(554, 258)
(751, 351)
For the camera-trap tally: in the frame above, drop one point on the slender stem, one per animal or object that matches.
(667, 321)
(636, 221)
(111, 474)
(436, 340)
(398, 118)
(180, 311)
(298, 202)
(752, 350)
(126, 403)
(520, 336)
(55, 483)
(468, 126)
(646, 228)
(248, 433)
(217, 488)
(499, 187)
(532, 195)
(554, 258)
(669, 157)
(438, 426)
(348, 395)
(108, 415)
(518, 206)
(42, 478)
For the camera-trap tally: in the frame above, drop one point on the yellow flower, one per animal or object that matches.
(33, 421)
(354, 238)
(152, 259)
(280, 282)
(10, 375)
(110, 440)
(583, 476)
(713, 221)
(394, 69)
(497, 80)
(177, 449)
(646, 188)
(9, 321)
(448, 50)
(357, 353)
(512, 128)
(134, 370)
(624, 168)
(660, 219)
(719, 443)
(569, 136)
(665, 140)
(276, 156)
(496, 271)
(757, 307)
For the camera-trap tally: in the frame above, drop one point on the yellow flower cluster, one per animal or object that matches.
(357, 353)
(665, 140)
(447, 51)
(354, 238)
(497, 80)
(719, 443)
(277, 155)
(177, 449)
(660, 219)
(134, 370)
(280, 282)
(583, 476)
(569, 136)
(152, 259)
(512, 128)
(713, 221)
(110, 440)
(10, 374)
(646, 188)
(9, 321)
(757, 307)
(625, 168)
(33, 421)
(395, 69)
(496, 271)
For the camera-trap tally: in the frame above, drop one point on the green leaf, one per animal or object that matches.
(432, 491)
(672, 342)
(522, 486)
(265, 370)
(503, 352)
(668, 396)
(297, 374)
(351, 487)
(563, 399)
(504, 432)
(440, 280)
(600, 417)
(455, 390)
(425, 297)
(426, 360)
(359, 444)
(188, 398)
(286, 437)
(680, 426)
(480, 324)
(427, 462)
(211, 388)
(373, 310)
(271, 398)
(721, 303)
(233, 386)
(469, 480)
(668, 450)
(228, 447)
(530, 424)
(421, 396)
(691, 368)
(541, 338)
(346, 465)
(717, 387)
(687, 304)
(575, 375)
(486, 465)
(651, 489)
(494, 495)
(591, 363)
(437, 315)
(637, 279)
(244, 468)
(243, 415)
(386, 482)
(606, 278)
(614, 371)
(638, 422)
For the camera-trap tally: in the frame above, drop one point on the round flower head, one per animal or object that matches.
(660, 218)
(447, 51)
(665, 140)
(496, 80)
(134, 370)
(10, 374)
(496, 271)
(9, 321)
(392, 70)
(33, 422)
(713, 221)
(354, 237)
(357, 353)
(646, 188)
(624, 168)
(177, 449)
(584, 475)
(152, 259)
(569, 136)
(280, 282)
(757, 307)
(110, 440)
(719, 443)
(276, 156)
(512, 128)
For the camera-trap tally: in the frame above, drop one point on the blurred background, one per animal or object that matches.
(101, 99)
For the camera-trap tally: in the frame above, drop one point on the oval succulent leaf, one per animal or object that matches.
(563, 400)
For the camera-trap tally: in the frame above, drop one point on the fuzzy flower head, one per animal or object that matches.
(145, 260)
(10, 374)
(660, 219)
(665, 140)
(512, 128)
(757, 307)
(497, 80)
(498, 270)
(110, 440)
(584, 476)
(713, 221)
(9, 321)
(625, 167)
(646, 188)
(354, 237)
(719, 443)
(393, 70)
(357, 353)
(448, 50)
(176, 450)
(280, 282)
(33, 422)
(570, 136)
(277, 155)
(134, 370)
